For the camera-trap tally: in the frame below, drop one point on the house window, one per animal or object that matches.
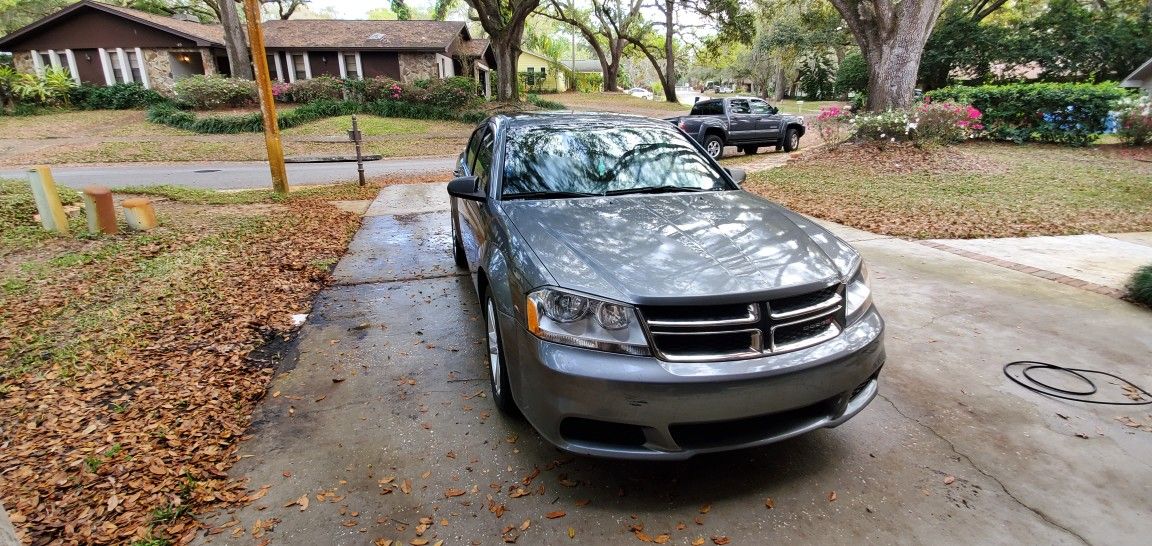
(43, 60)
(543, 74)
(350, 66)
(301, 70)
(117, 71)
(134, 66)
(531, 79)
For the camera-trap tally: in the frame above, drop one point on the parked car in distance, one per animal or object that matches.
(640, 92)
(638, 304)
(726, 89)
(748, 123)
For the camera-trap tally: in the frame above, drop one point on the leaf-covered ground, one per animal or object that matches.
(969, 191)
(126, 367)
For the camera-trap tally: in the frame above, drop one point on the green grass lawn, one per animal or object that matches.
(968, 191)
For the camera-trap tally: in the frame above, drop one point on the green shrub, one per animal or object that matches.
(453, 92)
(8, 77)
(545, 104)
(1134, 120)
(882, 128)
(319, 88)
(945, 122)
(210, 92)
(53, 89)
(1072, 114)
(374, 89)
(1140, 286)
(18, 206)
(852, 75)
(167, 114)
(122, 96)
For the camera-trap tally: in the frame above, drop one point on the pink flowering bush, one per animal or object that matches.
(834, 124)
(944, 122)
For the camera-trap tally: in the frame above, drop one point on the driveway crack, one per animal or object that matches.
(1039, 513)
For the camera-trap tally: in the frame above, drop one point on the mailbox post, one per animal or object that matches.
(355, 136)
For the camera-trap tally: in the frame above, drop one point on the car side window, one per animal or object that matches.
(708, 108)
(740, 106)
(473, 146)
(482, 166)
(760, 107)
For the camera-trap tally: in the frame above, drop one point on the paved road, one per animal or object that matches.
(232, 175)
(380, 410)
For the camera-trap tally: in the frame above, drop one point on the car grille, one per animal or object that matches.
(710, 333)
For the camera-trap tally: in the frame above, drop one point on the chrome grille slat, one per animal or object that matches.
(752, 317)
(722, 338)
(784, 315)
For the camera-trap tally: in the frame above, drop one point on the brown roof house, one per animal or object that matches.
(102, 44)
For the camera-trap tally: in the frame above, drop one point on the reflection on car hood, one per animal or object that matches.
(676, 247)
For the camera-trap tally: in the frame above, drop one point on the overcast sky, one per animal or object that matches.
(357, 9)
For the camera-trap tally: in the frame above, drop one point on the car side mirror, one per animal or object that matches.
(773, 110)
(466, 187)
(737, 174)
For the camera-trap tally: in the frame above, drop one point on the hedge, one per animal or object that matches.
(167, 114)
(1072, 114)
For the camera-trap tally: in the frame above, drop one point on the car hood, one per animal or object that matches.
(679, 247)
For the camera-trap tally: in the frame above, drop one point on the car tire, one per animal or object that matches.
(494, 357)
(714, 146)
(791, 140)
(750, 150)
(458, 248)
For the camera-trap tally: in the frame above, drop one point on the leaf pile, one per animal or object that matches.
(127, 374)
(967, 191)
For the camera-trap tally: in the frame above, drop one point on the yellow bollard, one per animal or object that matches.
(52, 215)
(140, 214)
(100, 210)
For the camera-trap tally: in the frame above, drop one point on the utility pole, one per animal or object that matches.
(267, 101)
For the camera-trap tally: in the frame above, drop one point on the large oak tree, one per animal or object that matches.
(891, 35)
(504, 21)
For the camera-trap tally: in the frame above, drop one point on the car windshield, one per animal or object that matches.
(581, 158)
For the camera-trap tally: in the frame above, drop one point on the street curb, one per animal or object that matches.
(331, 158)
(7, 531)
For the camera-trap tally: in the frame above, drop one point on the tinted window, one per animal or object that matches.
(760, 107)
(739, 106)
(473, 145)
(708, 108)
(483, 164)
(591, 157)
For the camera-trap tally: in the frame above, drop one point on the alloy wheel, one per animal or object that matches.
(493, 347)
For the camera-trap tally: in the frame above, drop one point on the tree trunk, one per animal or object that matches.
(507, 50)
(239, 60)
(669, 56)
(892, 71)
(778, 83)
(612, 69)
(891, 34)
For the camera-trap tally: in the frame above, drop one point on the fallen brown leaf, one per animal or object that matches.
(769, 503)
(453, 492)
(555, 514)
(721, 540)
(706, 508)
(831, 496)
(949, 480)
(698, 541)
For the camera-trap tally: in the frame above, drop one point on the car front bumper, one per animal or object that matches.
(629, 407)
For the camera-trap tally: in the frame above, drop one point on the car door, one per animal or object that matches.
(741, 122)
(473, 214)
(768, 123)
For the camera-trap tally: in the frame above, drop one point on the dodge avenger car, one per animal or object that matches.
(639, 304)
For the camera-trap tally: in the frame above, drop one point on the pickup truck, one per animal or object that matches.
(748, 123)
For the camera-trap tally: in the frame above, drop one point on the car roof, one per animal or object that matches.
(551, 118)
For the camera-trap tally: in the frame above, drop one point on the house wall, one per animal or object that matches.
(324, 63)
(91, 28)
(158, 62)
(552, 82)
(22, 60)
(377, 64)
(418, 66)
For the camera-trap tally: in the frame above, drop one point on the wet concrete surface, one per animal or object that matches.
(381, 418)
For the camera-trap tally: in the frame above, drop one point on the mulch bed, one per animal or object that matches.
(137, 441)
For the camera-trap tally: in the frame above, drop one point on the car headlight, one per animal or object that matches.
(581, 321)
(858, 295)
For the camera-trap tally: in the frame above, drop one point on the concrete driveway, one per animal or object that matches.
(380, 419)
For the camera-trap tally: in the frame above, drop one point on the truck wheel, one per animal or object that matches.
(791, 140)
(714, 146)
(751, 150)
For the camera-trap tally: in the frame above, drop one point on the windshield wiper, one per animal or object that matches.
(549, 195)
(657, 189)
